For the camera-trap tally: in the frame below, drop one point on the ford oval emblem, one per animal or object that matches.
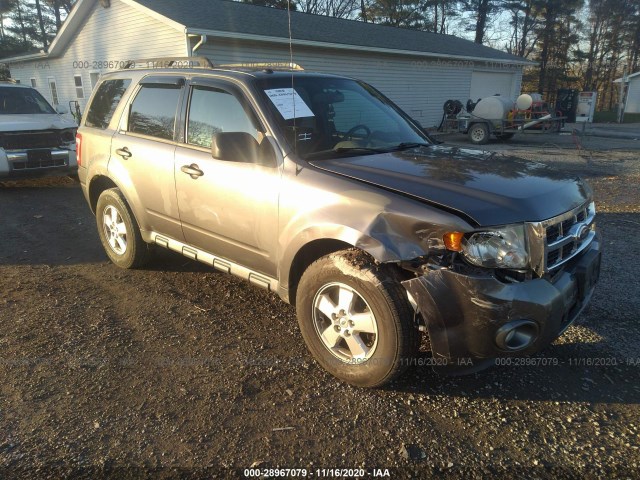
(582, 233)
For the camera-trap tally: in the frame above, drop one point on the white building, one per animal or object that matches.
(418, 70)
(632, 102)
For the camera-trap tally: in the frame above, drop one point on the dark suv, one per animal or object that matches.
(320, 189)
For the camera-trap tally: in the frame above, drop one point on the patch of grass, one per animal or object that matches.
(611, 117)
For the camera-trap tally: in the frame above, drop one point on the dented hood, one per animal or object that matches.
(24, 122)
(486, 188)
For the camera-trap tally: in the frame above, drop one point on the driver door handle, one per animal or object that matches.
(124, 153)
(193, 170)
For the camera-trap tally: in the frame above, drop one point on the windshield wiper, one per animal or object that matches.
(408, 145)
(342, 151)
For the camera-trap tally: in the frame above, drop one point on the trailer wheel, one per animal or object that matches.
(505, 136)
(479, 133)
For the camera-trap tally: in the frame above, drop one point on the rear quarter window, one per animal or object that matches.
(153, 112)
(105, 102)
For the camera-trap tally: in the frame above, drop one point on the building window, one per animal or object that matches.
(17, 81)
(94, 77)
(53, 90)
(34, 83)
(77, 79)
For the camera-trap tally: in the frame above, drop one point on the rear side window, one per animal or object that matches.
(153, 112)
(105, 102)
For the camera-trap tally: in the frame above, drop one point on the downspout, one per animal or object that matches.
(202, 41)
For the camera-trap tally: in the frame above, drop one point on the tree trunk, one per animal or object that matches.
(43, 33)
(483, 12)
(23, 30)
(56, 11)
(550, 20)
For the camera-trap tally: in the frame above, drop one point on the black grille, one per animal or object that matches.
(567, 249)
(39, 159)
(567, 224)
(26, 140)
(553, 232)
(562, 235)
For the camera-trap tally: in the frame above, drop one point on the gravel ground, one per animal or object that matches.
(180, 371)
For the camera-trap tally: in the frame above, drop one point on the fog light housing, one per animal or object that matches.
(516, 335)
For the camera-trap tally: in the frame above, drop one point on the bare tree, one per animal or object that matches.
(481, 11)
(332, 8)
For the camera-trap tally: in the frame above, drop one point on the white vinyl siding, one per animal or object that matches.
(633, 96)
(419, 85)
(107, 38)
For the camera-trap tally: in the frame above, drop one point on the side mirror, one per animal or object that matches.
(241, 147)
(61, 110)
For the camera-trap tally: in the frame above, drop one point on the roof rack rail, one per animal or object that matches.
(170, 62)
(263, 65)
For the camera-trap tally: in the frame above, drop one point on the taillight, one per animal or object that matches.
(79, 149)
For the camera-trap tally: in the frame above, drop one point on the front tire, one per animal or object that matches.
(356, 319)
(119, 231)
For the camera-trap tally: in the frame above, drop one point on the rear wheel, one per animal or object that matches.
(119, 231)
(479, 133)
(355, 319)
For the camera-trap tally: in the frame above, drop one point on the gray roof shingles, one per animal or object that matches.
(236, 17)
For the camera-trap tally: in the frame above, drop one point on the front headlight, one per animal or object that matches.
(68, 136)
(502, 247)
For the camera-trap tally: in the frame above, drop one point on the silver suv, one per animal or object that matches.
(320, 189)
(34, 139)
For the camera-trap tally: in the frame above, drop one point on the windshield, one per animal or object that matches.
(15, 100)
(329, 117)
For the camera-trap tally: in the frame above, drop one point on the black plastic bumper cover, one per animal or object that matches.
(463, 313)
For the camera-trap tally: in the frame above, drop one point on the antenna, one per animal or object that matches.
(293, 92)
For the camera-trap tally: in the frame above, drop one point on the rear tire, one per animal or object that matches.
(356, 319)
(479, 133)
(119, 232)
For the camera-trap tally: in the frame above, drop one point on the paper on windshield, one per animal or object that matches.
(289, 103)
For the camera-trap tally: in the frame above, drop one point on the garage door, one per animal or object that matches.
(486, 84)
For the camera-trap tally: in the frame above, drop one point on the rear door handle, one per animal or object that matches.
(193, 170)
(124, 152)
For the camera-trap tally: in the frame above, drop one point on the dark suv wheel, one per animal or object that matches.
(119, 231)
(356, 319)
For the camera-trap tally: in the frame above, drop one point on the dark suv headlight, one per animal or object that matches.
(501, 247)
(68, 136)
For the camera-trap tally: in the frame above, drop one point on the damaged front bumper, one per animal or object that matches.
(471, 317)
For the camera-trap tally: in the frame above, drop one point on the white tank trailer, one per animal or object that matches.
(494, 109)
(491, 114)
